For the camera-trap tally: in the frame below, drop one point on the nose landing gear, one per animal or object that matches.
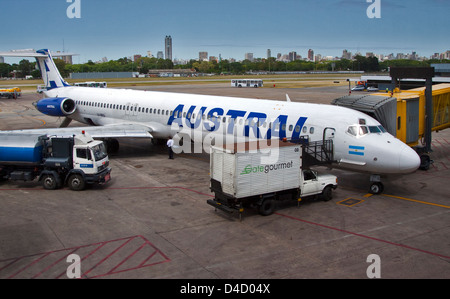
(377, 186)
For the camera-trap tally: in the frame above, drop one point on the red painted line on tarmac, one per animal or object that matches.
(108, 256)
(29, 265)
(57, 261)
(53, 264)
(363, 236)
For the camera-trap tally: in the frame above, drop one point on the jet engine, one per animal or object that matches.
(56, 106)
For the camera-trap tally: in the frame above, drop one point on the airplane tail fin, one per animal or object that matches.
(50, 73)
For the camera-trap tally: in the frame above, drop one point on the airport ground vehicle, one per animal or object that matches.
(11, 93)
(92, 84)
(55, 161)
(260, 174)
(247, 83)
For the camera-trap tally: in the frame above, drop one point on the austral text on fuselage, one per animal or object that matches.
(276, 129)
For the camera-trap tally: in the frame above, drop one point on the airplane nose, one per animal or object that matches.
(409, 160)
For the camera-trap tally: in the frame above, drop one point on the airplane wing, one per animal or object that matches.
(24, 53)
(107, 131)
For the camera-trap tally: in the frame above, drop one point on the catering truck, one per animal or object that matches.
(261, 173)
(55, 161)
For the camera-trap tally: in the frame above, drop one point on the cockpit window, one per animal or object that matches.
(374, 129)
(359, 131)
(363, 130)
(353, 130)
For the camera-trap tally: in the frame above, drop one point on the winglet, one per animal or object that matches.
(287, 98)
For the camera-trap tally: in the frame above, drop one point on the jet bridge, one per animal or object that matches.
(382, 108)
(403, 114)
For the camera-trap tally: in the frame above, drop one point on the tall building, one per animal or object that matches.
(160, 55)
(168, 47)
(269, 53)
(203, 56)
(292, 56)
(311, 55)
(346, 54)
(249, 56)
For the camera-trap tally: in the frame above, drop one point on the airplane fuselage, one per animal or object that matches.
(360, 142)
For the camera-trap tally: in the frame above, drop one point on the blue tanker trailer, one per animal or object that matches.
(55, 161)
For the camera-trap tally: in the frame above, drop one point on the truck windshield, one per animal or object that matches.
(99, 152)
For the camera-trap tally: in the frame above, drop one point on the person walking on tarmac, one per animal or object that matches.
(169, 146)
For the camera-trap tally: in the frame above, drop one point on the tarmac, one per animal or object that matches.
(151, 221)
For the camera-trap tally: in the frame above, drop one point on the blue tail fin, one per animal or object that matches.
(50, 74)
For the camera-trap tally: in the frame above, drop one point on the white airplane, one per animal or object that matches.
(360, 142)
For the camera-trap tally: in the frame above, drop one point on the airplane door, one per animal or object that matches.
(328, 142)
(328, 133)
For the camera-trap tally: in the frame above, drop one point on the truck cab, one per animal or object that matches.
(89, 155)
(75, 161)
(314, 183)
(90, 162)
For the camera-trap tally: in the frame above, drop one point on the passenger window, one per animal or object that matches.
(297, 129)
(291, 127)
(311, 130)
(305, 129)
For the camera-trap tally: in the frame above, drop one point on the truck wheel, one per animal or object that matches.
(49, 182)
(76, 182)
(327, 193)
(267, 207)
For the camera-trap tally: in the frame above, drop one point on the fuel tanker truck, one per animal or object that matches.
(54, 161)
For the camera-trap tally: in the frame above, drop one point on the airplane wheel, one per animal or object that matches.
(425, 162)
(376, 188)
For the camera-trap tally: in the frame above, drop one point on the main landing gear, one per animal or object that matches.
(377, 186)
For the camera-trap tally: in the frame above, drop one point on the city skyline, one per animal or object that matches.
(116, 29)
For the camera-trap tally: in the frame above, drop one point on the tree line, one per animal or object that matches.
(144, 64)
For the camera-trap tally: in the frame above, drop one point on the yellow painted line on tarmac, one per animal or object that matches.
(418, 201)
(41, 120)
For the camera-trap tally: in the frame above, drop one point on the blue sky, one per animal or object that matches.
(119, 28)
